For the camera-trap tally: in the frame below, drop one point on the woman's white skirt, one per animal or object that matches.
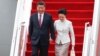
(61, 49)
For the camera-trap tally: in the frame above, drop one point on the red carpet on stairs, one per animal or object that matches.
(79, 12)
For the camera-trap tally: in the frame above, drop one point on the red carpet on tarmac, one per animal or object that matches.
(79, 12)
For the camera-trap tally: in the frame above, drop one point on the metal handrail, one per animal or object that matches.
(87, 39)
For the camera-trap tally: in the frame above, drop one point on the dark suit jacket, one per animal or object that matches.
(41, 34)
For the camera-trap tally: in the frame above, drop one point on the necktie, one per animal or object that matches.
(39, 20)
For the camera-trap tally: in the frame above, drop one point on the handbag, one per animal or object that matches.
(72, 53)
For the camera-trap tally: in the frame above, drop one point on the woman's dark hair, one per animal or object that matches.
(41, 3)
(62, 11)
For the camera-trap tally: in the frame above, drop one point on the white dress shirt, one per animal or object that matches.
(42, 15)
(63, 29)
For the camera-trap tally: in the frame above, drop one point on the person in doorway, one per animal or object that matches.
(63, 27)
(41, 28)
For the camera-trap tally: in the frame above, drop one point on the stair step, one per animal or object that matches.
(72, 13)
(78, 47)
(79, 39)
(76, 21)
(67, 5)
(67, 0)
(52, 53)
(78, 30)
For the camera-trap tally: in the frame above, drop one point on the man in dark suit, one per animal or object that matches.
(41, 28)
